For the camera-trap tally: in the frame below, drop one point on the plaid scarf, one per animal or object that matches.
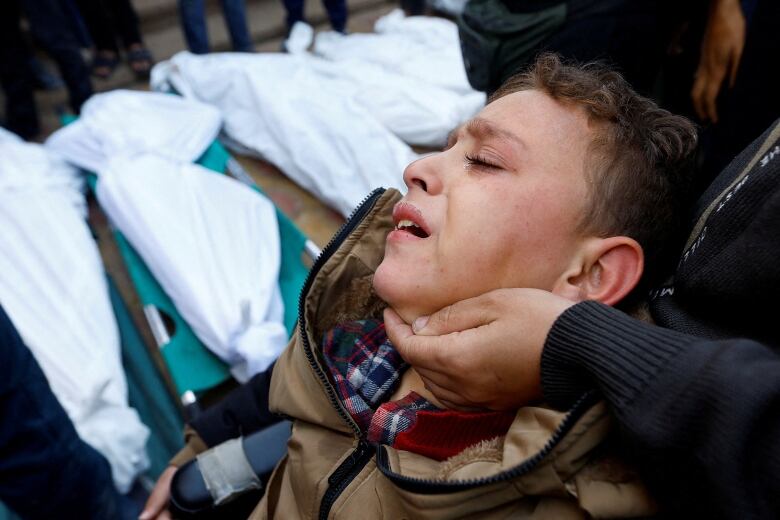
(366, 369)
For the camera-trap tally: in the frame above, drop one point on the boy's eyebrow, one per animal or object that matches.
(481, 129)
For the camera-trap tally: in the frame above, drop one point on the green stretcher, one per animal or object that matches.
(192, 366)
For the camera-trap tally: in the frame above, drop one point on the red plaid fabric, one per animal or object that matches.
(364, 366)
(365, 370)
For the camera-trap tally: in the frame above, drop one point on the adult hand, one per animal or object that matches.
(721, 50)
(484, 352)
(157, 505)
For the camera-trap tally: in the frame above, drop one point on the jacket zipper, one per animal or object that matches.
(340, 479)
(425, 486)
(354, 219)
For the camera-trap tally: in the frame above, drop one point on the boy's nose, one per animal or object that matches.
(422, 174)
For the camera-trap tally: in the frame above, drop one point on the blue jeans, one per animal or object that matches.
(193, 20)
(46, 470)
(337, 13)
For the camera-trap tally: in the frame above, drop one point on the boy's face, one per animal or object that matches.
(498, 208)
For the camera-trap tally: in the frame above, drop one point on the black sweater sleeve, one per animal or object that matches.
(701, 417)
(243, 411)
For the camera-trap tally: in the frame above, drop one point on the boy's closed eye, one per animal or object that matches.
(480, 162)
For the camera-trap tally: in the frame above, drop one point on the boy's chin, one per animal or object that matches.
(391, 293)
(407, 300)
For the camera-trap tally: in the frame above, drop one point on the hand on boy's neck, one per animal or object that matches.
(485, 352)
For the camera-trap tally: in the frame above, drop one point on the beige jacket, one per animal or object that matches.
(550, 464)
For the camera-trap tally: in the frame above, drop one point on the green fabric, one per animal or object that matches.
(293, 272)
(147, 392)
(215, 157)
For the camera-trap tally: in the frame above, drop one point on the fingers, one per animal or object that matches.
(158, 499)
(460, 316)
(721, 52)
(711, 97)
(705, 95)
(736, 57)
(697, 96)
(397, 329)
(401, 336)
(737, 28)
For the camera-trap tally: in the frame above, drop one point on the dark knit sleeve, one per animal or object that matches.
(700, 417)
(593, 345)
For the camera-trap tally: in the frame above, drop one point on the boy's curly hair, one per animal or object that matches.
(639, 164)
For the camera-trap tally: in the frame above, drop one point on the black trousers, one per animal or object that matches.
(52, 29)
(109, 22)
(16, 78)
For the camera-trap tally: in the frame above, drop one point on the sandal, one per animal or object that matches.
(104, 63)
(140, 60)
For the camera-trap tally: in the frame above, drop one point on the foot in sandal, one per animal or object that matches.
(140, 60)
(104, 63)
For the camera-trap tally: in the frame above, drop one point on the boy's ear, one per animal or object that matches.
(607, 270)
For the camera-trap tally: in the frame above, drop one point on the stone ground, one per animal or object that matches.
(163, 36)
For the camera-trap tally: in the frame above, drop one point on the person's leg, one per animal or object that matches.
(294, 10)
(51, 29)
(16, 77)
(193, 21)
(337, 14)
(235, 18)
(413, 7)
(126, 22)
(101, 30)
(43, 78)
(99, 24)
(46, 470)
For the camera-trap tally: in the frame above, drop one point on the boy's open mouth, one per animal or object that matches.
(411, 227)
(410, 219)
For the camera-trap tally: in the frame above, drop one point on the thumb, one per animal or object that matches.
(458, 317)
(397, 329)
(418, 351)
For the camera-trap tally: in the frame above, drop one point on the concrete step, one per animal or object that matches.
(266, 18)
